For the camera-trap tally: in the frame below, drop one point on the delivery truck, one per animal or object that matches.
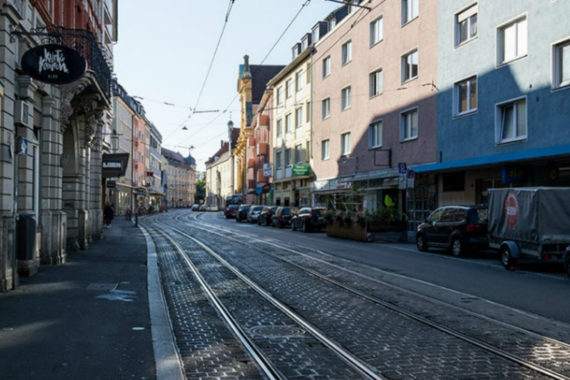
(530, 223)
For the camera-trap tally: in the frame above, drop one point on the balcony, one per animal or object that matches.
(86, 44)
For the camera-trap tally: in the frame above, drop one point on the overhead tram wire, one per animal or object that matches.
(303, 6)
(193, 110)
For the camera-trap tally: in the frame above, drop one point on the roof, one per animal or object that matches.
(224, 147)
(261, 74)
(175, 158)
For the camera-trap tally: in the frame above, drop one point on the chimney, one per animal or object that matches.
(221, 143)
(246, 62)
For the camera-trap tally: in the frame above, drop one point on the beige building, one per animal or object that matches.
(221, 173)
(291, 129)
(180, 178)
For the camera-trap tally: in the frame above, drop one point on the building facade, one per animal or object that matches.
(374, 105)
(52, 138)
(504, 98)
(180, 180)
(221, 172)
(291, 130)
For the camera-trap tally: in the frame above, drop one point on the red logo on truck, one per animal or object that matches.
(511, 210)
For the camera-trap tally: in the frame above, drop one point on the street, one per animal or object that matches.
(288, 304)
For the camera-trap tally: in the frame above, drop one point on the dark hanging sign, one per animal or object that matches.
(115, 165)
(56, 64)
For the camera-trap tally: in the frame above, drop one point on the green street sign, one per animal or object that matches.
(301, 169)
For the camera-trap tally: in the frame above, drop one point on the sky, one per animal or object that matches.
(165, 47)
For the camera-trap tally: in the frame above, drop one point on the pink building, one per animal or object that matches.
(374, 104)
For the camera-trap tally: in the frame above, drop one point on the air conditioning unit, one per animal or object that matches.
(22, 113)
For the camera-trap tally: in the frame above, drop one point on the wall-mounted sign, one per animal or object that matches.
(56, 64)
(267, 170)
(111, 184)
(114, 165)
(301, 169)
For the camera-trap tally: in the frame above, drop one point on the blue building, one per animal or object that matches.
(504, 97)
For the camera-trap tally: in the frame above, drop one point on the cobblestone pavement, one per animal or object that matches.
(547, 353)
(397, 346)
(209, 349)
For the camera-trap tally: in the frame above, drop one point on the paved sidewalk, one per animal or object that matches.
(86, 319)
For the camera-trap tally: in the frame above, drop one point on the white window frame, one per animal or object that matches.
(298, 117)
(405, 63)
(410, 10)
(299, 80)
(288, 88)
(279, 128)
(278, 159)
(288, 118)
(325, 153)
(288, 160)
(376, 83)
(404, 125)
(521, 36)
(345, 98)
(499, 120)
(457, 93)
(466, 14)
(557, 81)
(376, 31)
(345, 144)
(375, 131)
(279, 95)
(326, 66)
(346, 52)
(298, 154)
(326, 106)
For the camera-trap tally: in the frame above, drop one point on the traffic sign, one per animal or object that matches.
(402, 168)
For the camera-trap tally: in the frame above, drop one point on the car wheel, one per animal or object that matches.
(421, 243)
(506, 258)
(457, 247)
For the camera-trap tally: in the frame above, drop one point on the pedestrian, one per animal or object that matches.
(108, 214)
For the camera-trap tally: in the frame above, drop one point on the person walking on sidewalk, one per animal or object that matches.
(108, 214)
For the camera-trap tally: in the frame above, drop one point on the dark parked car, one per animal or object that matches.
(253, 213)
(456, 228)
(241, 213)
(230, 211)
(308, 219)
(282, 217)
(265, 215)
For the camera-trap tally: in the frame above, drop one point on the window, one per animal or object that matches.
(299, 81)
(345, 98)
(410, 66)
(512, 40)
(326, 108)
(466, 95)
(299, 159)
(376, 83)
(512, 120)
(326, 67)
(346, 52)
(376, 31)
(299, 117)
(325, 149)
(409, 125)
(278, 159)
(375, 135)
(279, 127)
(280, 95)
(308, 111)
(561, 64)
(288, 88)
(287, 157)
(345, 144)
(466, 25)
(288, 123)
(410, 10)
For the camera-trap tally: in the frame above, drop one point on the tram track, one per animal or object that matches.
(549, 372)
(269, 368)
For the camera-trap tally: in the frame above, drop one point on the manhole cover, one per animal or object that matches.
(277, 331)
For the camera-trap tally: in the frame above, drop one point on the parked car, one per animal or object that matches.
(230, 211)
(195, 207)
(241, 213)
(253, 213)
(265, 215)
(202, 208)
(282, 217)
(456, 228)
(308, 219)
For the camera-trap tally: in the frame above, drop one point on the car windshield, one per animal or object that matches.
(316, 212)
(478, 215)
(233, 207)
(257, 208)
